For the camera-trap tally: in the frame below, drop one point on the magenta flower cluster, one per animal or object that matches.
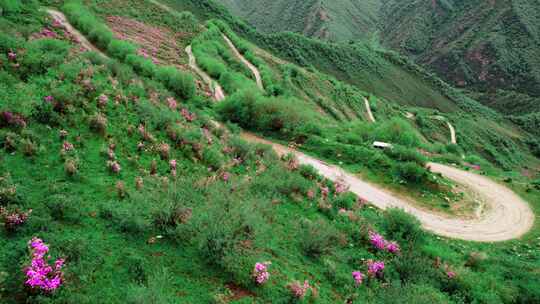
(172, 164)
(144, 53)
(226, 176)
(114, 166)
(47, 33)
(380, 243)
(103, 100)
(358, 277)
(12, 56)
(40, 275)
(188, 115)
(172, 103)
(260, 272)
(298, 290)
(13, 219)
(12, 119)
(375, 268)
(67, 146)
(341, 187)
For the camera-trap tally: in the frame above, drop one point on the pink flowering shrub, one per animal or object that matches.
(375, 268)
(377, 240)
(103, 100)
(47, 33)
(172, 103)
(226, 176)
(13, 219)
(341, 187)
(172, 164)
(57, 23)
(260, 273)
(451, 274)
(324, 192)
(299, 290)
(358, 277)
(12, 56)
(67, 146)
(39, 274)
(380, 243)
(392, 247)
(9, 119)
(48, 98)
(188, 115)
(114, 166)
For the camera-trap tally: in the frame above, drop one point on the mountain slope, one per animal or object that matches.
(484, 45)
(329, 20)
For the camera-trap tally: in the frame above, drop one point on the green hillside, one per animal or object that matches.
(123, 180)
(328, 20)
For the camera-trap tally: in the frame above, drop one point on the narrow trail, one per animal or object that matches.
(453, 137)
(60, 17)
(248, 64)
(218, 93)
(507, 216)
(368, 110)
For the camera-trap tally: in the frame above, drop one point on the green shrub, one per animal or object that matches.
(42, 54)
(143, 66)
(397, 131)
(181, 83)
(121, 49)
(101, 36)
(411, 172)
(345, 201)
(156, 290)
(317, 238)
(403, 228)
(267, 114)
(213, 157)
(413, 293)
(225, 228)
(404, 154)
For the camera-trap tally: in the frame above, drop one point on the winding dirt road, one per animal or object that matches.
(248, 64)
(368, 110)
(218, 93)
(507, 216)
(61, 18)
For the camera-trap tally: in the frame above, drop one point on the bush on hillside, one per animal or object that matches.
(253, 111)
(43, 54)
(121, 49)
(397, 131)
(411, 172)
(404, 154)
(317, 238)
(403, 228)
(181, 83)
